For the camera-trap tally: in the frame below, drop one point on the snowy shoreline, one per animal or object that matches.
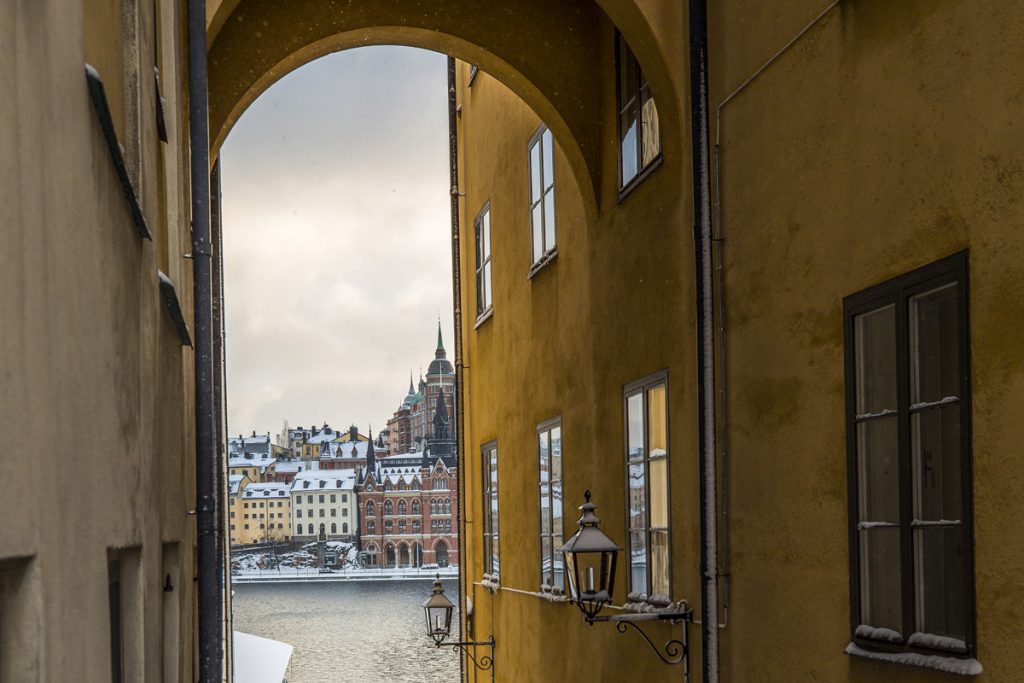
(349, 575)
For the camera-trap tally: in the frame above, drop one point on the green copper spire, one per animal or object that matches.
(440, 342)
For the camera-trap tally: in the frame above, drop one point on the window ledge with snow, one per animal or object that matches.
(490, 582)
(483, 317)
(544, 260)
(953, 665)
(652, 604)
(552, 594)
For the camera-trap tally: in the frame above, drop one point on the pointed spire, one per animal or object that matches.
(440, 352)
(371, 457)
(411, 390)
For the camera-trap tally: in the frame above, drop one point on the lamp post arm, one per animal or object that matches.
(674, 651)
(485, 662)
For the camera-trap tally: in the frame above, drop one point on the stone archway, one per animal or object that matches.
(403, 555)
(389, 557)
(441, 554)
(254, 43)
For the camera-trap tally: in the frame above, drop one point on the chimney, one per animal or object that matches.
(353, 433)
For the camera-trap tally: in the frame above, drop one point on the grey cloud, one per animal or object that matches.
(336, 239)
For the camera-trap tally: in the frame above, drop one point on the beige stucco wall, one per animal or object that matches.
(96, 384)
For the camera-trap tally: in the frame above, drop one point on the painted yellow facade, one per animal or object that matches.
(851, 142)
(236, 484)
(876, 144)
(265, 514)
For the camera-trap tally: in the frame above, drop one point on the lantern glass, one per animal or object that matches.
(438, 611)
(590, 558)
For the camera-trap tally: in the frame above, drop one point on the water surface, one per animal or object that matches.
(363, 632)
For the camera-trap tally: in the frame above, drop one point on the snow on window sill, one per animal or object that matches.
(484, 317)
(490, 582)
(544, 260)
(953, 665)
(551, 594)
(641, 602)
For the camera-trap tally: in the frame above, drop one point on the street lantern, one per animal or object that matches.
(590, 563)
(438, 610)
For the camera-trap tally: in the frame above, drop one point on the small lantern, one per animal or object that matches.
(438, 609)
(590, 563)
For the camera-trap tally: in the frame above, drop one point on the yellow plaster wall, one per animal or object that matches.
(884, 140)
(612, 308)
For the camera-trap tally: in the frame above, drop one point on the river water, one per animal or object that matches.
(363, 632)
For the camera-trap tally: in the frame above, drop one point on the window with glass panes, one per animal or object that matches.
(542, 194)
(639, 131)
(908, 442)
(647, 486)
(549, 453)
(489, 468)
(483, 261)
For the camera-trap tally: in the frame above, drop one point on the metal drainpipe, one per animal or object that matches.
(209, 589)
(453, 165)
(221, 402)
(700, 147)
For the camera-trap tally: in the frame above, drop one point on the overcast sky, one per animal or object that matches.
(336, 240)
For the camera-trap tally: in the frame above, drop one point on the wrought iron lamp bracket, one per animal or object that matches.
(485, 662)
(674, 651)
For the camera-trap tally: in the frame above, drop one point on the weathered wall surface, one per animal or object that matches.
(613, 307)
(885, 139)
(96, 394)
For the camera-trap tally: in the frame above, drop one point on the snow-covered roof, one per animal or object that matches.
(258, 444)
(234, 480)
(324, 480)
(266, 490)
(398, 475)
(289, 466)
(327, 434)
(263, 463)
(343, 450)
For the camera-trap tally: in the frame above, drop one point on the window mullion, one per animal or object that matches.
(647, 492)
(907, 566)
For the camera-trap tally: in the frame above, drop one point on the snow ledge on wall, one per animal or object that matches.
(953, 665)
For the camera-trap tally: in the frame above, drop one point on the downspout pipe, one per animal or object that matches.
(703, 272)
(460, 391)
(209, 591)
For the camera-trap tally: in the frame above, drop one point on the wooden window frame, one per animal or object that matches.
(898, 291)
(547, 185)
(547, 427)
(643, 386)
(484, 297)
(622, 102)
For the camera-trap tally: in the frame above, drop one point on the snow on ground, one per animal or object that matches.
(305, 557)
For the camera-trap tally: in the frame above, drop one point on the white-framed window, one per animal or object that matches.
(542, 195)
(647, 486)
(489, 468)
(549, 456)
(482, 233)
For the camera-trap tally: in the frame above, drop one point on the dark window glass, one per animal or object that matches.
(908, 383)
(489, 468)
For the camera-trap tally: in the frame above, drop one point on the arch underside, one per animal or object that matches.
(546, 52)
